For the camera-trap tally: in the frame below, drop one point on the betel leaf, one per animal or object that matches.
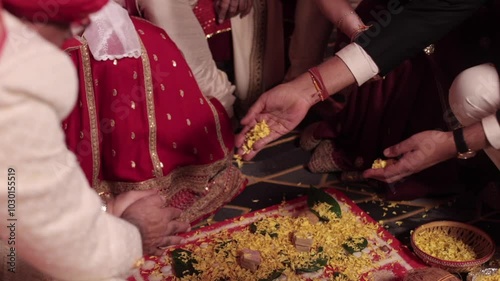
(260, 228)
(317, 196)
(284, 258)
(353, 245)
(274, 275)
(183, 263)
(225, 246)
(318, 261)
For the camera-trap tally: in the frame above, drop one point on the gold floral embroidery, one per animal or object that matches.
(155, 57)
(201, 101)
(162, 87)
(141, 32)
(174, 63)
(81, 135)
(112, 123)
(181, 92)
(132, 164)
(163, 36)
(113, 152)
(135, 75)
(132, 135)
(169, 117)
(115, 92)
(115, 62)
(132, 104)
(215, 183)
(188, 122)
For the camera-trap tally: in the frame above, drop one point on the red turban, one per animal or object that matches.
(58, 11)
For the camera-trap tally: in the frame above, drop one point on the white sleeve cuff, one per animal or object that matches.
(361, 65)
(492, 130)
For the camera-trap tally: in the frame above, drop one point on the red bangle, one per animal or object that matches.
(318, 83)
(358, 31)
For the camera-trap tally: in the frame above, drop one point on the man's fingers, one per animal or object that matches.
(248, 8)
(240, 137)
(169, 241)
(170, 213)
(390, 173)
(154, 200)
(136, 195)
(176, 227)
(222, 7)
(233, 8)
(399, 149)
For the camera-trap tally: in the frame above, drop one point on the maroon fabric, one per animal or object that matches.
(412, 98)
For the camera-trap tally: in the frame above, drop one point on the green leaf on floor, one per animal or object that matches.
(274, 275)
(353, 245)
(318, 261)
(183, 263)
(323, 204)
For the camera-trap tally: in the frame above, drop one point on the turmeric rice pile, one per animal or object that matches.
(217, 257)
(441, 245)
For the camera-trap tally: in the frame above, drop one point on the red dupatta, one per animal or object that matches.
(144, 124)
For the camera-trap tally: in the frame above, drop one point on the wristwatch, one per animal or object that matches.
(463, 151)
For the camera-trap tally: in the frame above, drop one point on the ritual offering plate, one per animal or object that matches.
(321, 236)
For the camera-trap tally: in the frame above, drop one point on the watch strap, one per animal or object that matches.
(458, 136)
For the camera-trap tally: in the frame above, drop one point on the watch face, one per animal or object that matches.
(466, 155)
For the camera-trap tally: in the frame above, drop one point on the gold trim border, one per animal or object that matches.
(148, 91)
(92, 111)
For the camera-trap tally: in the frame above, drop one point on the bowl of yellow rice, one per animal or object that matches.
(453, 246)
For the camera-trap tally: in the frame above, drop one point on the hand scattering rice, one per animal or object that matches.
(259, 131)
(441, 245)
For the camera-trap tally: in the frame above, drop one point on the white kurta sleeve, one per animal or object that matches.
(58, 226)
(361, 65)
(491, 128)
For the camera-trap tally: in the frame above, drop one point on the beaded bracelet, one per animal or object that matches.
(318, 83)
